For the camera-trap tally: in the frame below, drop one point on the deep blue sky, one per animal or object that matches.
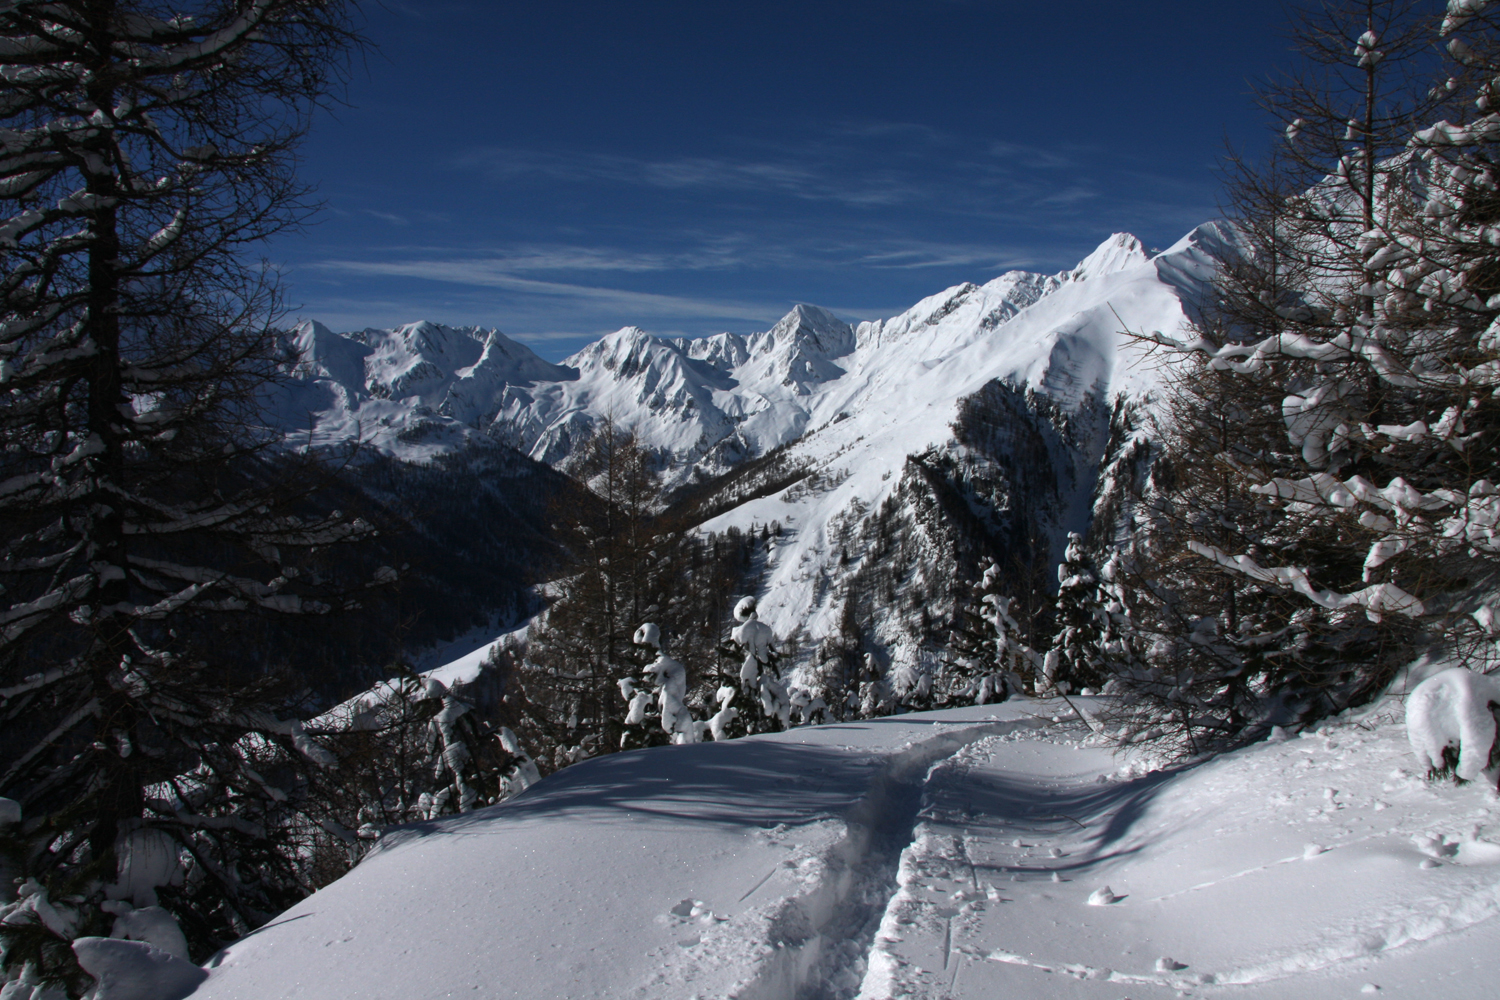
(562, 168)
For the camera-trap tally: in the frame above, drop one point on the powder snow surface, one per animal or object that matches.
(950, 854)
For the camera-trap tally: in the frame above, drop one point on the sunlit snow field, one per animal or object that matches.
(995, 851)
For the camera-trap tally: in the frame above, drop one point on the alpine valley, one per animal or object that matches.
(894, 459)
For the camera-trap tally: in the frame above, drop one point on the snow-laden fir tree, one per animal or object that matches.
(1363, 301)
(988, 656)
(146, 148)
(752, 695)
(765, 699)
(1080, 621)
(659, 714)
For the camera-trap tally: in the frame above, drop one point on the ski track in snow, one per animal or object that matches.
(994, 890)
(941, 855)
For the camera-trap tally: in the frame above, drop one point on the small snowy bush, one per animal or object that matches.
(1450, 721)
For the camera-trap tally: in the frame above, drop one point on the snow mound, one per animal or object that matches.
(1454, 710)
(134, 970)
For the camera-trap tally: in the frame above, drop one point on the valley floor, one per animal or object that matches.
(986, 852)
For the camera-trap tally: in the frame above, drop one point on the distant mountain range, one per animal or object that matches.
(994, 398)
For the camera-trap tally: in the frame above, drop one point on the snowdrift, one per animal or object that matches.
(953, 854)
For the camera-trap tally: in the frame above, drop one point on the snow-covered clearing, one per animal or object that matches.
(948, 854)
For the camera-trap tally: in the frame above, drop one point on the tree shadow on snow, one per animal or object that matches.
(743, 783)
(1099, 815)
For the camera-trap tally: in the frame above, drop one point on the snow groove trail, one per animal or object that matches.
(842, 911)
(1040, 867)
(999, 814)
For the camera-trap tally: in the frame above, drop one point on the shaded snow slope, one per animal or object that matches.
(990, 851)
(738, 868)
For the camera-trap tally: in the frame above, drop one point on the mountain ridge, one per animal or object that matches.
(870, 412)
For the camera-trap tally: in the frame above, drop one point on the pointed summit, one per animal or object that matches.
(812, 321)
(1117, 253)
(802, 346)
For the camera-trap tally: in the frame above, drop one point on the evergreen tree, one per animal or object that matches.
(662, 714)
(1080, 621)
(145, 151)
(1358, 307)
(988, 657)
(764, 700)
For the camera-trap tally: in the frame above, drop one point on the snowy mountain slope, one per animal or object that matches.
(864, 415)
(900, 395)
(947, 854)
(412, 392)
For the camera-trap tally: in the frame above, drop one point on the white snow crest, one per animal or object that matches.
(136, 970)
(1453, 710)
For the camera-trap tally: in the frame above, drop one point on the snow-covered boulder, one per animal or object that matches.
(134, 970)
(1454, 708)
(151, 924)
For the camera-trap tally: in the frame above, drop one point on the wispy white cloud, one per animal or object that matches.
(486, 274)
(391, 217)
(919, 255)
(804, 178)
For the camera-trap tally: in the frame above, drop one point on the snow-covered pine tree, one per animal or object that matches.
(661, 714)
(988, 657)
(1364, 297)
(1080, 620)
(764, 700)
(147, 146)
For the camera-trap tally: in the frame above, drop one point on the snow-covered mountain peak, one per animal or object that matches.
(801, 349)
(1117, 253)
(324, 354)
(815, 325)
(705, 404)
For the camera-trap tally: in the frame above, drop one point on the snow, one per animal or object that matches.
(134, 970)
(948, 854)
(151, 924)
(1454, 709)
(850, 403)
(147, 860)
